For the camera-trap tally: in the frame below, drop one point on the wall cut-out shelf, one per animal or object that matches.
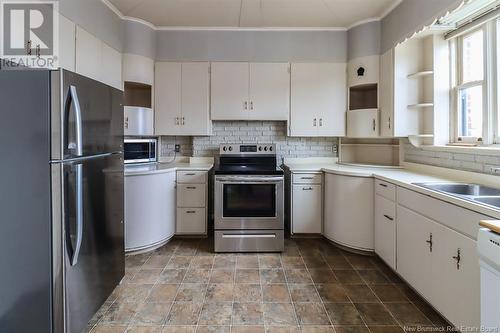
(420, 74)
(418, 140)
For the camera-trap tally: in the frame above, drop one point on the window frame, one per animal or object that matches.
(459, 85)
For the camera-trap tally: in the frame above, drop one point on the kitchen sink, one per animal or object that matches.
(490, 201)
(462, 189)
(471, 192)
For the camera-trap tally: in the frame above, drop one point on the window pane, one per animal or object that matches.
(472, 53)
(471, 112)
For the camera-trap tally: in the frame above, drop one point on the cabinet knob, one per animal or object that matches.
(177, 121)
(28, 47)
(388, 217)
(374, 124)
(307, 189)
(126, 122)
(320, 122)
(38, 51)
(389, 123)
(183, 121)
(191, 187)
(314, 122)
(251, 105)
(245, 105)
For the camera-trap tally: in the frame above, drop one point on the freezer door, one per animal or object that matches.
(90, 110)
(93, 235)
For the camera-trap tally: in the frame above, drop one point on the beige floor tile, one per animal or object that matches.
(247, 314)
(184, 313)
(220, 292)
(216, 314)
(247, 293)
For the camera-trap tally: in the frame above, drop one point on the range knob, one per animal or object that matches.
(271, 148)
(224, 148)
(265, 148)
(230, 148)
(260, 148)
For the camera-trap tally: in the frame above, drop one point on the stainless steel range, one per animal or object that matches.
(248, 201)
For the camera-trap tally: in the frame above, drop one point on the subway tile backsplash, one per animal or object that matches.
(251, 132)
(460, 161)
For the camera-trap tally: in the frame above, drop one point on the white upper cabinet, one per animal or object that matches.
(386, 94)
(368, 68)
(111, 67)
(250, 91)
(88, 54)
(67, 31)
(138, 69)
(182, 98)
(318, 99)
(97, 60)
(195, 97)
(230, 81)
(269, 97)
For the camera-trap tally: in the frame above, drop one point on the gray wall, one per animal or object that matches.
(187, 45)
(95, 17)
(410, 16)
(140, 39)
(364, 40)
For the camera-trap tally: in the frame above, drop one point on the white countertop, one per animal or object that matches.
(163, 167)
(405, 177)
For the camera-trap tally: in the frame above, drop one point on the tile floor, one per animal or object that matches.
(311, 287)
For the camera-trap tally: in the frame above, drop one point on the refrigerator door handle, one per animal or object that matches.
(73, 99)
(79, 213)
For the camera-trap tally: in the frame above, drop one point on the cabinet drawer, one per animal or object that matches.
(454, 217)
(191, 195)
(307, 178)
(191, 221)
(192, 177)
(385, 230)
(385, 189)
(307, 210)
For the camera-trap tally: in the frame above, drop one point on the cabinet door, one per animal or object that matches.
(385, 230)
(362, 123)
(138, 69)
(195, 88)
(167, 98)
(414, 253)
(307, 209)
(67, 31)
(191, 195)
(386, 91)
(88, 54)
(331, 100)
(349, 211)
(457, 287)
(303, 119)
(111, 70)
(229, 91)
(269, 91)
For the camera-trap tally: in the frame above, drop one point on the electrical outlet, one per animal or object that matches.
(177, 148)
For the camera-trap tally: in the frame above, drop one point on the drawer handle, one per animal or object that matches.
(191, 187)
(307, 189)
(189, 174)
(306, 177)
(388, 217)
(250, 236)
(429, 241)
(383, 185)
(190, 211)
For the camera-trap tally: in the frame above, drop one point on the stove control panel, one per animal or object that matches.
(247, 149)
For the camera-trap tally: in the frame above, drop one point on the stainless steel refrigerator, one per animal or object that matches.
(61, 199)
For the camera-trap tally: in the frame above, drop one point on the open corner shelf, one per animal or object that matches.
(420, 74)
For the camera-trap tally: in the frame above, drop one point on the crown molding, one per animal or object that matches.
(191, 28)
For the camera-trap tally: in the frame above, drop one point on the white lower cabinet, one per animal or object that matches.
(441, 264)
(385, 230)
(349, 211)
(191, 202)
(149, 217)
(307, 208)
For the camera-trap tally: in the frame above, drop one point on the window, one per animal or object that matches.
(471, 87)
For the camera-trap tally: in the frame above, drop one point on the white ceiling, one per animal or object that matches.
(254, 13)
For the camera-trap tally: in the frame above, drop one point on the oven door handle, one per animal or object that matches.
(249, 179)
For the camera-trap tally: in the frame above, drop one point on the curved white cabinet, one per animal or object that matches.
(149, 210)
(138, 69)
(349, 211)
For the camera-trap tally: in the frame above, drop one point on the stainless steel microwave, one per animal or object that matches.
(140, 151)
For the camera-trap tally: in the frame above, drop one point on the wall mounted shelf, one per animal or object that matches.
(419, 140)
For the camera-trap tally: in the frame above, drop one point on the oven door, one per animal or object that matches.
(248, 202)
